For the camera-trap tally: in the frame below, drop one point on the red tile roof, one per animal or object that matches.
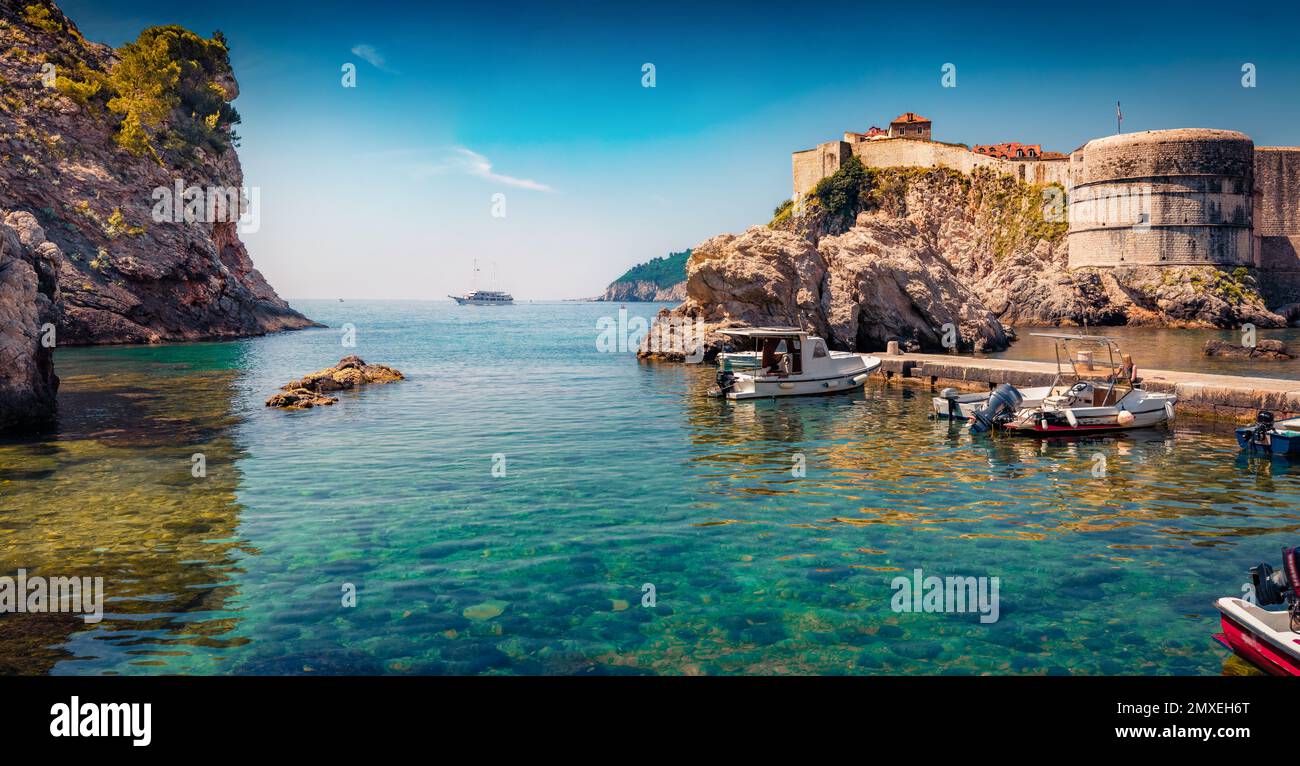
(908, 117)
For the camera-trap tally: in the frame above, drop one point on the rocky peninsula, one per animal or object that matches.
(659, 279)
(881, 254)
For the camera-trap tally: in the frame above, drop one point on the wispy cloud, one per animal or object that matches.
(470, 162)
(371, 55)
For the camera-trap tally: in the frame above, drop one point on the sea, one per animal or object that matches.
(530, 501)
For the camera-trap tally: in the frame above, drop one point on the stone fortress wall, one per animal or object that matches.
(1163, 198)
(814, 164)
(1156, 198)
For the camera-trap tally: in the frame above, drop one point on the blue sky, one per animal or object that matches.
(386, 190)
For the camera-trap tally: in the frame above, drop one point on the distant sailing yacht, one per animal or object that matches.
(483, 297)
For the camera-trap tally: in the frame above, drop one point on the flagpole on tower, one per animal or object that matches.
(1119, 119)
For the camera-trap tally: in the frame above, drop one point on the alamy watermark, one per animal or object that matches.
(946, 594)
(179, 203)
(667, 335)
(38, 595)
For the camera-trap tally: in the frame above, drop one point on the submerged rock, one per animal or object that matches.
(1264, 349)
(310, 390)
(30, 302)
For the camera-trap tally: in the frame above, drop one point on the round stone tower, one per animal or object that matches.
(1162, 198)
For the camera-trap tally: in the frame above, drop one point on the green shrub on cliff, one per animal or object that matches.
(846, 191)
(42, 18)
(164, 91)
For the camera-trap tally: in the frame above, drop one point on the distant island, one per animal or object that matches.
(659, 279)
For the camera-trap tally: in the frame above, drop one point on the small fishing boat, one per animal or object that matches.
(1270, 437)
(1096, 389)
(1267, 638)
(786, 361)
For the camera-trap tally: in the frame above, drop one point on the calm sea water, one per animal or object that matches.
(618, 474)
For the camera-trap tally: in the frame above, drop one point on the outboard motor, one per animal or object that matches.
(1260, 431)
(954, 408)
(1002, 404)
(1280, 587)
(726, 380)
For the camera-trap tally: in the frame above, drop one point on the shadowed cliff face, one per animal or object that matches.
(909, 250)
(30, 302)
(134, 270)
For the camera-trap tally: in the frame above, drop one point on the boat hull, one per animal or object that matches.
(763, 388)
(1088, 424)
(1274, 443)
(473, 302)
(1255, 642)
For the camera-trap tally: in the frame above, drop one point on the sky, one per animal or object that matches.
(387, 189)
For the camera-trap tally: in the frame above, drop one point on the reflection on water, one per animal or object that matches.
(112, 496)
(1110, 551)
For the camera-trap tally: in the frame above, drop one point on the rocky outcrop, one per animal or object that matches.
(312, 390)
(1264, 349)
(143, 263)
(641, 290)
(899, 253)
(874, 283)
(30, 302)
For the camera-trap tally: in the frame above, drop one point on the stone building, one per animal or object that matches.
(910, 125)
(1013, 150)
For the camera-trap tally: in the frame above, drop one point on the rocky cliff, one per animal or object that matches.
(882, 254)
(30, 303)
(126, 159)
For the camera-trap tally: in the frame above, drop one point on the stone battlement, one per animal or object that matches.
(1187, 196)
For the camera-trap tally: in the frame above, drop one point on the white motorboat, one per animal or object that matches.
(786, 361)
(1096, 389)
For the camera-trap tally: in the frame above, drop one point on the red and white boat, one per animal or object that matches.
(1267, 638)
(1096, 389)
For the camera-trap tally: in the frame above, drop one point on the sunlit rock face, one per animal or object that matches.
(135, 269)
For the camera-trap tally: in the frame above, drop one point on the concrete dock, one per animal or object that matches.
(1222, 397)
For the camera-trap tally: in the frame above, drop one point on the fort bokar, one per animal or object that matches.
(891, 235)
(1181, 197)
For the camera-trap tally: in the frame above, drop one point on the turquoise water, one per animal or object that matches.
(617, 474)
